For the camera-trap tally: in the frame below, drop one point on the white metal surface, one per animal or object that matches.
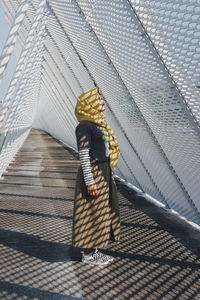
(145, 57)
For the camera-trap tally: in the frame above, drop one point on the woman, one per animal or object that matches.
(96, 218)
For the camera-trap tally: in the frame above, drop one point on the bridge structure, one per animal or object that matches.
(145, 58)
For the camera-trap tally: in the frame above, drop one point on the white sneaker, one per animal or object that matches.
(96, 258)
(108, 257)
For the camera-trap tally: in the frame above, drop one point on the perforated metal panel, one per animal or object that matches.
(19, 104)
(144, 56)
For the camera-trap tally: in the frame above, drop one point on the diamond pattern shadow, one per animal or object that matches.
(158, 256)
(33, 246)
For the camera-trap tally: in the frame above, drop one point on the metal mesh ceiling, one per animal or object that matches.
(144, 56)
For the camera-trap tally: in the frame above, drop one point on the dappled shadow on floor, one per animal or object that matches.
(156, 258)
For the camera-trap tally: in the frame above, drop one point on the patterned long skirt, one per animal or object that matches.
(96, 219)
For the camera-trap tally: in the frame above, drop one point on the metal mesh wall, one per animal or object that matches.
(144, 56)
(19, 104)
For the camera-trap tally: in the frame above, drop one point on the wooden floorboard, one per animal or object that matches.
(158, 256)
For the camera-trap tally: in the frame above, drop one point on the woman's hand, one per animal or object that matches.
(92, 190)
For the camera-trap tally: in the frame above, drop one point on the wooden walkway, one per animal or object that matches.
(158, 256)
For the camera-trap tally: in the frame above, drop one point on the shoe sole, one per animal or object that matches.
(96, 264)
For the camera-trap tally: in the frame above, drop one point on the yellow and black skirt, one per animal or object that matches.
(96, 219)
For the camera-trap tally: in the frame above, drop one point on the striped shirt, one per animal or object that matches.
(92, 147)
(86, 166)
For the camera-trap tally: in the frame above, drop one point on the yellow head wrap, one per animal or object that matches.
(87, 108)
